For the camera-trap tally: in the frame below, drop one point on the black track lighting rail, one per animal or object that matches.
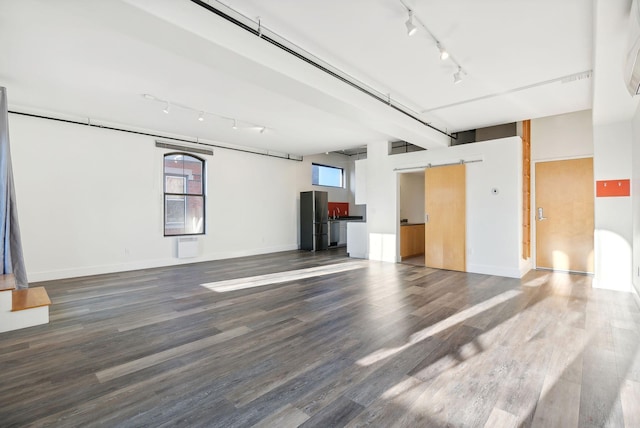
(286, 156)
(261, 35)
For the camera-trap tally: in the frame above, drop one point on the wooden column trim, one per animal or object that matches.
(526, 189)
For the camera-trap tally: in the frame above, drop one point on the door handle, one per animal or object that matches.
(541, 215)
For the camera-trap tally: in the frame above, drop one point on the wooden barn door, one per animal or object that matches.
(445, 225)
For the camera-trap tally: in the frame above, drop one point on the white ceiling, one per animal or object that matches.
(93, 60)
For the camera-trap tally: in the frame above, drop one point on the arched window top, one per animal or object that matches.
(182, 157)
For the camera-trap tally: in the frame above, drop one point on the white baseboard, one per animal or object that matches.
(148, 264)
(509, 272)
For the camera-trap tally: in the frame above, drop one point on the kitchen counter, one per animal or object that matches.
(411, 240)
(338, 229)
(347, 218)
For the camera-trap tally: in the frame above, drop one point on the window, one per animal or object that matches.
(183, 195)
(323, 175)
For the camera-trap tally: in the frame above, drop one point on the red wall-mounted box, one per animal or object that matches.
(605, 188)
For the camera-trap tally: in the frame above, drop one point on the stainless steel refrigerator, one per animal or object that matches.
(314, 220)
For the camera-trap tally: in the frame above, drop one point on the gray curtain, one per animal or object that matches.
(11, 249)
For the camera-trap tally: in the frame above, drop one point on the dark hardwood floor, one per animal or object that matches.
(352, 343)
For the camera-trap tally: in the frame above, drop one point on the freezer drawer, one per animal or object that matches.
(321, 241)
(321, 228)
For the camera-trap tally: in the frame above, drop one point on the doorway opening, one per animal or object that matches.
(411, 211)
(432, 208)
(564, 215)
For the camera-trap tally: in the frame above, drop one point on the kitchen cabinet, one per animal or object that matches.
(337, 233)
(343, 234)
(411, 240)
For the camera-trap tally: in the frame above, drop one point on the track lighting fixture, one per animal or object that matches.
(457, 76)
(411, 27)
(200, 114)
(443, 52)
(414, 22)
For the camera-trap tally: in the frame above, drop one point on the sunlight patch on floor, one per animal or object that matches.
(279, 277)
(536, 282)
(463, 316)
(439, 327)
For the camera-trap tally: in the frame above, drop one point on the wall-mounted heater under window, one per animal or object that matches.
(187, 247)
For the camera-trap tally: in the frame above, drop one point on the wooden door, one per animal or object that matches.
(564, 215)
(445, 227)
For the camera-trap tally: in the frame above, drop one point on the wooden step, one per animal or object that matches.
(30, 298)
(7, 282)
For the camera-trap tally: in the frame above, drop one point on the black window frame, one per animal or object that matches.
(185, 194)
(342, 186)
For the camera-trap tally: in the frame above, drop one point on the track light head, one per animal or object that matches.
(457, 76)
(443, 52)
(411, 27)
(169, 105)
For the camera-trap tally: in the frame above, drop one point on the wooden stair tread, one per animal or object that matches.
(29, 298)
(7, 282)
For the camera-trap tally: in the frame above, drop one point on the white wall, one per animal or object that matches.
(493, 221)
(382, 200)
(356, 207)
(564, 136)
(360, 180)
(336, 194)
(412, 197)
(572, 136)
(613, 215)
(635, 197)
(90, 201)
(346, 194)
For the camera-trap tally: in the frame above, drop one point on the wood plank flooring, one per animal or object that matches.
(388, 345)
